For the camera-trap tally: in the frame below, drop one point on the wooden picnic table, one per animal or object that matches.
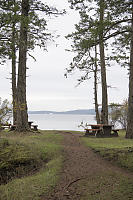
(105, 128)
(32, 126)
(101, 130)
(30, 123)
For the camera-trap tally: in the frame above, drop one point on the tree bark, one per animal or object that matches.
(95, 88)
(22, 116)
(104, 111)
(14, 87)
(129, 132)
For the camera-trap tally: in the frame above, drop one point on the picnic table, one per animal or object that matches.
(30, 123)
(101, 130)
(5, 126)
(32, 127)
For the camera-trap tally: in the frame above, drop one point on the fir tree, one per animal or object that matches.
(104, 24)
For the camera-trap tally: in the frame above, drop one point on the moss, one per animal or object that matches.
(16, 160)
(35, 186)
(20, 156)
(29, 165)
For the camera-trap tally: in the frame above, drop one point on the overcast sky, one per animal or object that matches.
(47, 88)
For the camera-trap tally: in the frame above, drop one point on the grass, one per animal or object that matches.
(107, 186)
(118, 150)
(36, 161)
(31, 163)
(110, 185)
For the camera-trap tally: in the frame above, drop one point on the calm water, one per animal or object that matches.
(60, 121)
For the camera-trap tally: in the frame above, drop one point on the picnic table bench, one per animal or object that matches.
(4, 126)
(91, 131)
(13, 127)
(34, 127)
(30, 123)
(115, 132)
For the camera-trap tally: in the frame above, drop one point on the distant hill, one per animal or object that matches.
(71, 112)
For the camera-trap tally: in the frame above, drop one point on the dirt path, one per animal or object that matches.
(86, 176)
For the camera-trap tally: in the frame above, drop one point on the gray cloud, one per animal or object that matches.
(47, 89)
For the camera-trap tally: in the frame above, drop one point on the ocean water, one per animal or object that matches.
(60, 121)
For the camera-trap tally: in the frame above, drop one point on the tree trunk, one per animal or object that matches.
(129, 132)
(14, 89)
(22, 116)
(95, 88)
(104, 111)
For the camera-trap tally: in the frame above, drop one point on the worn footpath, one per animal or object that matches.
(86, 176)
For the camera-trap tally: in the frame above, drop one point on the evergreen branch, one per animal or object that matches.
(116, 23)
(115, 34)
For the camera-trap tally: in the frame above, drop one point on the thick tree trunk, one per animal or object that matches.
(129, 132)
(14, 89)
(22, 116)
(104, 111)
(95, 89)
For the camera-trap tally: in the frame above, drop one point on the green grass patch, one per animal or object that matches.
(107, 186)
(31, 164)
(118, 149)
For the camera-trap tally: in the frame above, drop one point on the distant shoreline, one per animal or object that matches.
(72, 112)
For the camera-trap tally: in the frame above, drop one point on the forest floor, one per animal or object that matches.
(87, 176)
